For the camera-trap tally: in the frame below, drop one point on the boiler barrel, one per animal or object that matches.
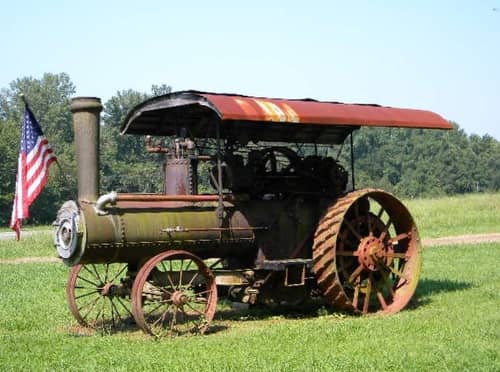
(134, 234)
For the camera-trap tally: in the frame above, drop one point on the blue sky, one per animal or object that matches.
(438, 55)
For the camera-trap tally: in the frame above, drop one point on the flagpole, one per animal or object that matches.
(27, 105)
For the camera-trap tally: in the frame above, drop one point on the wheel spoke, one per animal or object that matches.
(355, 274)
(399, 237)
(396, 255)
(160, 304)
(120, 320)
(353, 230)
(87, 294)
(195, 310)
(366, 303)
(192, 279)
(355, 298)
(369, 223)
(98, 276)
(112, 312)
(346, 253)
(180, 274)
(118, 274)
(397, 272)
(97, 285)
(124, 306)
(174, 319)
(386, 229)
(92, 272)
(356, 210)
(381, 299)
(93, 288)
(380, 212)
(171, 281)
(93, 304)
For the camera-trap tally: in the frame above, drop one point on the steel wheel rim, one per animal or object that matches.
(174, 294)
(98, 297)
(367, 254)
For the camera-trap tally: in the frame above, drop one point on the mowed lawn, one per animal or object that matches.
(453, 323)
(457, 215)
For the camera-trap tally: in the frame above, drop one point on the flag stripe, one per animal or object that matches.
(39, 182)
(37, 163)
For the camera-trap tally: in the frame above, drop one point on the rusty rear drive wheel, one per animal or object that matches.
(99, 297)
(174, 294)
(367, 253)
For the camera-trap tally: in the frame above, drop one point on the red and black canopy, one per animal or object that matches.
(268, 119)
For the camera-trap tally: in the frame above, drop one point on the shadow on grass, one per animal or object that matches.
(427, 288)
(262, 312)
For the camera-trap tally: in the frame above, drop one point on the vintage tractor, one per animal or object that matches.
(279, 226)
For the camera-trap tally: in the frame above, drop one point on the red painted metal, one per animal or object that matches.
(303, 120)
(233, 107)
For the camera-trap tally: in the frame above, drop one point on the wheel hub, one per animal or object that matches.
(371, 252)
(109, 289)
(179, 298)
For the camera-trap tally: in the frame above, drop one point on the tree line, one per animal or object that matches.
(410, 163)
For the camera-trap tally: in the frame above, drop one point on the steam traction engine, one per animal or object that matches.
(279, 226)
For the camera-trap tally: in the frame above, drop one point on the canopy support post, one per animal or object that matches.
(352, 162)
(220, 206)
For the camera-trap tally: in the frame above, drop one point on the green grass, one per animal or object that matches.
(457, 215)
(453, 324)
(40, 244)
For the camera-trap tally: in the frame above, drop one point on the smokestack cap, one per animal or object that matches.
(86, 104)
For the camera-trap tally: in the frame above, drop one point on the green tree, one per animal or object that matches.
(125, 164)
(49, 99)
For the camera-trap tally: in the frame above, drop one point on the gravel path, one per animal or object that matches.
(430, 242)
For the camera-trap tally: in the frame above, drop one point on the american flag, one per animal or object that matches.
(35, 158)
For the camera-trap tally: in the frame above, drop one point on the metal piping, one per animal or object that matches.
(103, 200)
(113, 198)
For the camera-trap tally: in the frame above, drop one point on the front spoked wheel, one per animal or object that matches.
(99, 296)
(174, 294)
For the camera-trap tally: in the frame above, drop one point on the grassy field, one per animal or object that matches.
(457, 215)
(453, 324)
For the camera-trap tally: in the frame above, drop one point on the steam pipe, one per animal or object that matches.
(112, 198)
(104, 200)
(86, 114)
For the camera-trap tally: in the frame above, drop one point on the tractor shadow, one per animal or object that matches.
(229, 313)
(428, 288)
(265, 312)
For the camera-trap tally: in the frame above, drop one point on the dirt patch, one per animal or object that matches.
(23, 260)
(462, 239)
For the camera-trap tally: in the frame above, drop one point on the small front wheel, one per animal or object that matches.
(99, 295)
(173, 294)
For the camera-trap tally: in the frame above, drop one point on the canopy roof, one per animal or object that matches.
(267, 119)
